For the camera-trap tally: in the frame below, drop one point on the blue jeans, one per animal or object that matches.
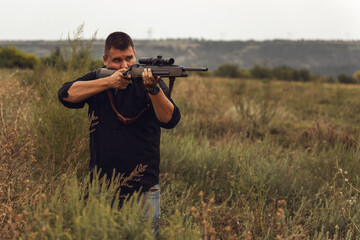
(153, 195)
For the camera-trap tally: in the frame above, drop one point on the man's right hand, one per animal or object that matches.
(117, 80)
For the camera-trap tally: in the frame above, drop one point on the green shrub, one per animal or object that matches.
(86, 210)
(76, 55)
(11, 57)
(290, 74)
(330, 79)
(343, 78)
(302, 75)
(55, 124)
(228, 70)
(356, 76)
(283, 73)
(260, 72)
(57, 59)
(244, 73)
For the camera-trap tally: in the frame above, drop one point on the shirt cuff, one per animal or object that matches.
(63, 92)
(175, 118)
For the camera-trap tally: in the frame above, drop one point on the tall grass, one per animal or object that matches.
(250, 159)
(247, 164)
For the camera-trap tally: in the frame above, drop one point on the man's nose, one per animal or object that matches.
(124, 64)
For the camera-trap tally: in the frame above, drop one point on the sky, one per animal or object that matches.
(200, 19)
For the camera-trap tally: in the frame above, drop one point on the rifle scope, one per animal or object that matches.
(156, 61)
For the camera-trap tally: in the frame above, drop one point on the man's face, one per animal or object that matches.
(120, 59)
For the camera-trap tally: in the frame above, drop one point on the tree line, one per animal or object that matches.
(11, 57)
(285, 73)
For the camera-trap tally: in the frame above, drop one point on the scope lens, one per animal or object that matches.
(145, 60)
(168, 61)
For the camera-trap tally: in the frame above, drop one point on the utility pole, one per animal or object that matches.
(149, 32)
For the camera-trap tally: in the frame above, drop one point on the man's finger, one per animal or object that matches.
(150, 72)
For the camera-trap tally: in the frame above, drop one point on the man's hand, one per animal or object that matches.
(148, 78)
(118, 80)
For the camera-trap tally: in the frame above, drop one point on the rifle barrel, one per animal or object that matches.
(195, 69)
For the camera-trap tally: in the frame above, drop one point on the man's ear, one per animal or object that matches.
(104, 60)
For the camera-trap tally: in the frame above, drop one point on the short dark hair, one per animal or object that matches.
(118, 40)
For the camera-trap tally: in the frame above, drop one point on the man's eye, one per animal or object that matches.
(128, 58)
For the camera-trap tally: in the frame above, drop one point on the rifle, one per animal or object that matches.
(163, 67)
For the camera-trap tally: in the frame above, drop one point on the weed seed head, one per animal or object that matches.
(282, 203)
(279, 213)
(46, 213)
(25, 213)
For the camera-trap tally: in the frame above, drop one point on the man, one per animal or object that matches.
(123, 145)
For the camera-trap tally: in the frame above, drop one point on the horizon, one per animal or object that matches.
(188, 39)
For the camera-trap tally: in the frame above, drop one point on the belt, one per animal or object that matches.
(154, 188)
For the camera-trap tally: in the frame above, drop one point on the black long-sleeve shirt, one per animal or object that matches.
(114, 145)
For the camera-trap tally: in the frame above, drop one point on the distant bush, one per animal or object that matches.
(55, 58)
(290, 74)
(283, 73)
(11, 57)
(302, 75)
(230, 70)
(330, 79)
(261, 72)
(356, 75)
(244, 73)
(343, 78)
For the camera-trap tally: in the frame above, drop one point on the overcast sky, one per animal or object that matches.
(201, 19)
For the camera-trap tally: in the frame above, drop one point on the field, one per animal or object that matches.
(250, 159)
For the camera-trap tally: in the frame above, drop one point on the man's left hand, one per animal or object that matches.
(148, 78)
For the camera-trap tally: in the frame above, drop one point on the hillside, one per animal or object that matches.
(320, 57)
